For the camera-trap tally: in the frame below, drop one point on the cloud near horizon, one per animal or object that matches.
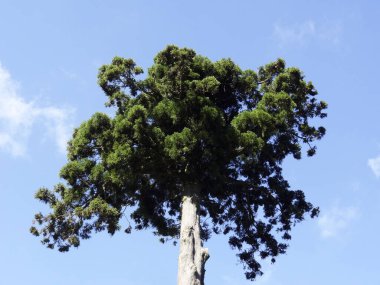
(19, 118)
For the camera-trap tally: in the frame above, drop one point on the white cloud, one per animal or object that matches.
(69, 74)
(265, 279)
(261, 280)
(300, 34)
(19, 117)
(374, 164)
(336, 221)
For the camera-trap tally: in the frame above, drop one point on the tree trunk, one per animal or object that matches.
(192, 256)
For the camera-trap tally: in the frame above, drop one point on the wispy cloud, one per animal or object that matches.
(261, 280)
(68, 74)
(300, 34)
(336, 221)
(374, 164)
(266, 279)
(19, 117)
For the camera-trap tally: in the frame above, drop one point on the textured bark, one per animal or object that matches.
(192, 256)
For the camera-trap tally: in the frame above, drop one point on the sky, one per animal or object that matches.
(50, 52)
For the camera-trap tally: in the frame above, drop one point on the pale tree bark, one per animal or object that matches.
(192, 256)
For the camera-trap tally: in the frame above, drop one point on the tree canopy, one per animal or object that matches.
(188, 121)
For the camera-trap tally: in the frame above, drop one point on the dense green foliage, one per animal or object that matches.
(190, 121)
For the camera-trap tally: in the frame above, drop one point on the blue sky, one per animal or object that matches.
(50, 52)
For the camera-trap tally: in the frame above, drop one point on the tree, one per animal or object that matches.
(194, 148)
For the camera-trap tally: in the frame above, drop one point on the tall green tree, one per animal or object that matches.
(194, 148)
